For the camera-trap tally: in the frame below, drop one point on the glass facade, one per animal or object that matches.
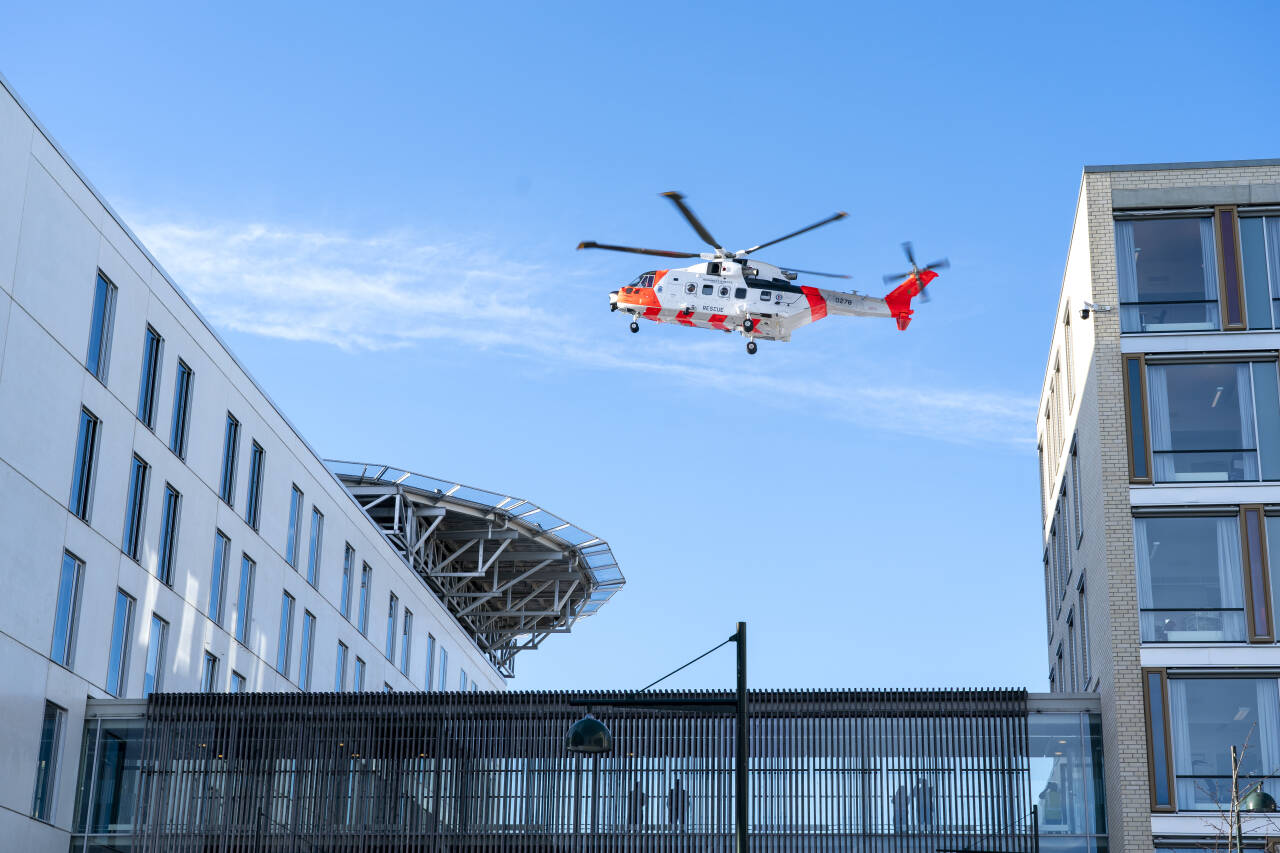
(107, 792)
(1067, 784)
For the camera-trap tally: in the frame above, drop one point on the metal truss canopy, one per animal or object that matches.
(510, 572)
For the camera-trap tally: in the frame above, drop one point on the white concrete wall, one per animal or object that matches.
(55, 234)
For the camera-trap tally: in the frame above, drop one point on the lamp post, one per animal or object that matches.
(589, 736)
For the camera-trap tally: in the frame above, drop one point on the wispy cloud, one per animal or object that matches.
(397, 289)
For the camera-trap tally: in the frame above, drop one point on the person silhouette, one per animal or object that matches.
(677, 804)
(637, 804)
(922, 802)
(901, 808)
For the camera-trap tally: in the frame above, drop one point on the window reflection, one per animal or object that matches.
(1167, 272)
(1066, 776)
(1190, 579)
(1206, 421)
(1210, 715)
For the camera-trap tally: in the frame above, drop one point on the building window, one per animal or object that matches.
(462, 679)
(209, 673)
(359, 674)
(238, 684)
(444, 668)
(230, 454)
(340, 669)
(285, 643)
(118, 653)
(366, 578)
(103, 321)
(1136, 420)
(1073, 662)
(431, 662)
(85, 465)
(47, 762)
(406, 641)
(1157, 740)
(295, 518)
(393, 607)
(154, 674)
(169, 517)
(1207, 717)
(1077, 515)
(386, 687)
(1257, 599)
(181, 410)
(1085, 672)
(1167, 273)
(244, 598)
(313, 552)
(1208, 421)
(1190, 587)
(308, 641)
(218, 576)
(1058, 671)
(1260, 258)
(348, 566)
(152, 346)
(253, 498)
(66, 615)
(136, 506)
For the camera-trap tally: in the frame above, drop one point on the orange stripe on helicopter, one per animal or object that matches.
(652, 312)
(685, 319)
(817, 305)
(717, 321)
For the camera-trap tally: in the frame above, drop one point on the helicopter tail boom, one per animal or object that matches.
(899, 299)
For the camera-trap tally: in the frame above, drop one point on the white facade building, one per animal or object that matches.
(163, 527)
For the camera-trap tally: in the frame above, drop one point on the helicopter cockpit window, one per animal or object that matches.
(765, 296)
(740, 293)
(646, 280)
(707, 289)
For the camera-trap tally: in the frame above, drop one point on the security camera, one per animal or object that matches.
(1091, 306)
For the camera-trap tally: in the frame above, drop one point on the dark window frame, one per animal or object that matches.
(180, 426)
(170, 520)
(1158, 763)
(253, 490)
(149, 377)
(136, 508)
(1139, 432)
(1257, 588)
(230, 459)
(83, 479)
(102, 326)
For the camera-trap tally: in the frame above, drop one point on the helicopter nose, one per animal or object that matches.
(613, 300)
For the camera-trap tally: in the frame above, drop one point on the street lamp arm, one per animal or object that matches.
(690, 663)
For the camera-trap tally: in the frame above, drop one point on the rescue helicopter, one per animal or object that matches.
(731, 291)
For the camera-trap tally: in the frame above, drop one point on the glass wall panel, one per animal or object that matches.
(1190, 579)
(1260, 253)
(1210, 715)
(109, 776)
(1168, 275)
(1202, 421)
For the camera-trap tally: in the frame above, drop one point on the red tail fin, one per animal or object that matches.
(899, 301)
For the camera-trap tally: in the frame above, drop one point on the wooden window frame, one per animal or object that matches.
(1229, 262)
(1167, 746)
(1255, 561)
(1128, 417)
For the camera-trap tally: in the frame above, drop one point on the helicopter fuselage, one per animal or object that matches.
(746, 296)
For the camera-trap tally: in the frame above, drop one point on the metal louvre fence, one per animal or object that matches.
(892, 771)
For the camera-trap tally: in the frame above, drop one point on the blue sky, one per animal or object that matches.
(378, 208)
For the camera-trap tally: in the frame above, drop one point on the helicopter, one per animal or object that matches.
(731, 291)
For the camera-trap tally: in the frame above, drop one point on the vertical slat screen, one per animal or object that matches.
(903, 771)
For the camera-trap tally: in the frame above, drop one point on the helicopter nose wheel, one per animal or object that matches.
(635, 327)
(751, 347)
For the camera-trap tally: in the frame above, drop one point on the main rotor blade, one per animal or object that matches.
(838, 216)
(811, 272)
(943, 264)
(895, 276)
(662, 253)
(678, 201)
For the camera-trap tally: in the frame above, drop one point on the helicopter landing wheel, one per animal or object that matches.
(748, 325)
(635, 327)
(751, 347)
